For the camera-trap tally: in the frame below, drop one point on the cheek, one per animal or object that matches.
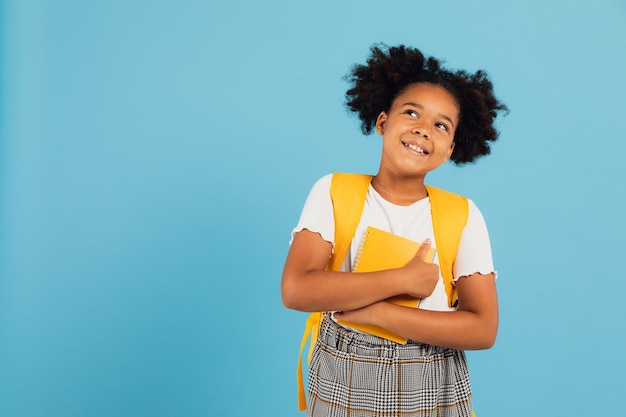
(450, 150)
(388, 147)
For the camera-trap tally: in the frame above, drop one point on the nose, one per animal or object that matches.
(420, 131)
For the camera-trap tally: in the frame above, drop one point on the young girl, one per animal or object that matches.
(426, 114)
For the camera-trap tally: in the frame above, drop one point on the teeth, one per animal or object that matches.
(415, 148)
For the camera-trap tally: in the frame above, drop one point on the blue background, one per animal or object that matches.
(155, 155)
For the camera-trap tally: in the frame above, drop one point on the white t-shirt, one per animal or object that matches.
(412, 222)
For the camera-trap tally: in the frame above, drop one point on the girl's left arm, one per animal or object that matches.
(472, 327)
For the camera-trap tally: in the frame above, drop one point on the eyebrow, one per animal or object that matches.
(443, 116)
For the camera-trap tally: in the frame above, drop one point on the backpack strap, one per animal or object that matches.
(449, 213)
(347, 192)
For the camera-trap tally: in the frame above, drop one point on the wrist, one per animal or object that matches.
(401, 282)
(379, 312)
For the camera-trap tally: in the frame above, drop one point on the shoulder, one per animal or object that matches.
(455, 209)
(472, 206)
(322, 185)
(341, 181)
(474, 211)
(449, 210)
(350, 186)
(445, 194)
(325, 180)
(320, 191)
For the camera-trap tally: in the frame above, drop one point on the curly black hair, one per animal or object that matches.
(391, 70)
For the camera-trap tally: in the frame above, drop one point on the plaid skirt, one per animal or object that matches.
(358, 375)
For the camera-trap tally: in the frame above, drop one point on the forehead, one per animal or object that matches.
(429, 95)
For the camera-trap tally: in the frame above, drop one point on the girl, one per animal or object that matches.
(426, 114)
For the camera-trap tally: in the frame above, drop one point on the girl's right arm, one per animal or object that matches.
(307, 286)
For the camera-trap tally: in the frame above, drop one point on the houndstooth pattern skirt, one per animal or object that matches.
(358, 375)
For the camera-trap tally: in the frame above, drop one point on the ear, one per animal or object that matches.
(449, 154)
(380, 123)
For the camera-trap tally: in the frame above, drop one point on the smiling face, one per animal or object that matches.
(418, 130)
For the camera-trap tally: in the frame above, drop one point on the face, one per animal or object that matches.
(418, 130)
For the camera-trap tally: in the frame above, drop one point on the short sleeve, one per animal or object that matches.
(317, 214)
(474, 254)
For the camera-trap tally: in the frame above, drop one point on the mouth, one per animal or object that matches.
(415, 148)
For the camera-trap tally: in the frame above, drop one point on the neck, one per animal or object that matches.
(402, 191)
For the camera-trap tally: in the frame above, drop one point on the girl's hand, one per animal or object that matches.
(421, 276)
(364, 315)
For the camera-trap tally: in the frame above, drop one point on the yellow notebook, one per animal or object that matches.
(382, 250)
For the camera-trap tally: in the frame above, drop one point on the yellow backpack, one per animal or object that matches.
(348, 191)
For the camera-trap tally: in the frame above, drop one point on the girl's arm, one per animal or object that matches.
(473, 326)
(307, 286)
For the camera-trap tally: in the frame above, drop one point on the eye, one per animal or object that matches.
(411, 113)
(442, 126)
